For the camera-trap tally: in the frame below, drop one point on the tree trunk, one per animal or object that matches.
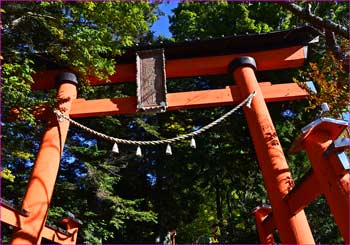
(315, 20)
(218, 202)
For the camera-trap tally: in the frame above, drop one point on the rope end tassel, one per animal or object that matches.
(168, 150)
(250, 99)
(115, 148)
(138, 151)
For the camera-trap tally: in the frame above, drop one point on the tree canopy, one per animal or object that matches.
(122, 198)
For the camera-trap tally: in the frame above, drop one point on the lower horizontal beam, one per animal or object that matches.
(186, 100)
(304, 193)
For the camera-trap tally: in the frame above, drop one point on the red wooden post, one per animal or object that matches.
(334, 185)
(265, 233)
(72, 226)
(41, 184)
(293, 229)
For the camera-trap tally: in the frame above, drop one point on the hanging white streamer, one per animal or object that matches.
(138, 151)
(115, 148)
(168, 150)
(193, 143)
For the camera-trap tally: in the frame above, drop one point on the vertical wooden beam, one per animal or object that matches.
(293, 229)
(43, 177)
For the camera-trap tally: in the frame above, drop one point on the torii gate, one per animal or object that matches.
(241, 56)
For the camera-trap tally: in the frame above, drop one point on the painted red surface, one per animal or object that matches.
(293, 229)
(43, 177)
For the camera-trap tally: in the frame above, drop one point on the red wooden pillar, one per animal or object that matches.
(335, 184)
(293, 229)
(43, 177)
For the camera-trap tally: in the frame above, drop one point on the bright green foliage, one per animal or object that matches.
(79, 35)
(16, 87)
(226, 18)
(101, 209)
(85, 37)
(7, 175)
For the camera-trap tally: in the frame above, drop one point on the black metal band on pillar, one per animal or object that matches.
(66, 77)
(241, 61)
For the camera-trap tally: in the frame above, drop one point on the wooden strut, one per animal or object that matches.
(304, 193)
(297, 199)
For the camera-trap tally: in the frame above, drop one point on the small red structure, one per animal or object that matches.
(264, 223)
(243, 56)
(329, 176)
(330, 168)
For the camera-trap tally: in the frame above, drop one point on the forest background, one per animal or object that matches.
(122, 198)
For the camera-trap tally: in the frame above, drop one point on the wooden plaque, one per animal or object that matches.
(151, 81)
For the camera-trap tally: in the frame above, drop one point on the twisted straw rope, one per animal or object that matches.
(247, 102)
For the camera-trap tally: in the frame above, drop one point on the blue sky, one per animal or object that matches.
(161, 26)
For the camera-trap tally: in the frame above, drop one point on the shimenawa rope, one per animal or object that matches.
(247, 102)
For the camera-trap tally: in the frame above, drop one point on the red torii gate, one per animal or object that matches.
(240, 55)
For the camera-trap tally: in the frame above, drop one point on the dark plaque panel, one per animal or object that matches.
(151, 81)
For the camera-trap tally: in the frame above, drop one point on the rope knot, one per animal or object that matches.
(250, 99)
(59, 114)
